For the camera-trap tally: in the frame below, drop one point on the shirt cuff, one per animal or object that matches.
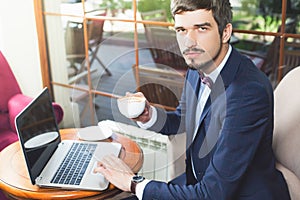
(139, 190)
(152, 120)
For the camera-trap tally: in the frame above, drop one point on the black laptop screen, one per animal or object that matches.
(38, 133)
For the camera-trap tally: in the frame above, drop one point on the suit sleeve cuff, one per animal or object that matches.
(139, 190)
(151, 122)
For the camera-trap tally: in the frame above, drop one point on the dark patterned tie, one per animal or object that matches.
(205, 79)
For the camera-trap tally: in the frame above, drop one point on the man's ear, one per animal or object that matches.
(227, 33)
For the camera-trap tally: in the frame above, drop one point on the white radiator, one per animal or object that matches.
(163, 160)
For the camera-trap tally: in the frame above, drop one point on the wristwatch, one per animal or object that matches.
(134, 181)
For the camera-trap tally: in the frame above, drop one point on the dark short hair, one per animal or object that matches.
(221, 9)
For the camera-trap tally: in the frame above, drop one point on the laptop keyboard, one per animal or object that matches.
(74, 165)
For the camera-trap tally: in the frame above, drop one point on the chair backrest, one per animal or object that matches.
(74, 40)
(271, 63)
(162, 41)
(12, 100)
(74, 36)
(286, 139)
(291, 56)
(160, 86)
(154, 15)
(95, 28)
(8, 83)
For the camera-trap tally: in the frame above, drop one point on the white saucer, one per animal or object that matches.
(94, 133)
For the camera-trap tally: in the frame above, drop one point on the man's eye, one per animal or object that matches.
(180, 30)
(202, 28)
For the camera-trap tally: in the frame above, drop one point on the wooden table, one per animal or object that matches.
(15, 182)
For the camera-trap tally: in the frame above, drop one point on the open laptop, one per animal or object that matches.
(49, 159)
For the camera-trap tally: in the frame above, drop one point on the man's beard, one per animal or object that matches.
(199, 66)
(203, 65)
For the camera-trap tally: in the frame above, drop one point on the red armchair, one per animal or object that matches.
(12, 101)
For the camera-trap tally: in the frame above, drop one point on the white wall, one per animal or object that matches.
(18, 43)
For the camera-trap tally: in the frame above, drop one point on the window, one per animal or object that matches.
(92, 51)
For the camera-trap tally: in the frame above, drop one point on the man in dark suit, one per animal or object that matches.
(228, 118)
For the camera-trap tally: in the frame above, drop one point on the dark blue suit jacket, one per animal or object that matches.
(232, 151)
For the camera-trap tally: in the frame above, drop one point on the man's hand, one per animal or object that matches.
(147, 114)
(115, 171)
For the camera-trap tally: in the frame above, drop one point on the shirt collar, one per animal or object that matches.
(214, 74)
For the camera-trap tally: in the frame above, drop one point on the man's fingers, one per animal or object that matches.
(102, 169)
(115, 171)
(99, 168)
(114, 163)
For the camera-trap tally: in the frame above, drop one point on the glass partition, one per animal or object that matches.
(97, 50)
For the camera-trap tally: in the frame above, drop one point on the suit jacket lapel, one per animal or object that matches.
(223, 80)
(192, 86)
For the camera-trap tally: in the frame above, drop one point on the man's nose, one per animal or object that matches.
(190, 40)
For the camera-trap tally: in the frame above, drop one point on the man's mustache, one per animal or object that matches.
(194, 50)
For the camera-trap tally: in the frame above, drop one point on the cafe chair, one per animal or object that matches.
(75, 49)
(162, 41)
(286, 138)
(291, 58)
(266, 55)
(160, 86)
(12, 101)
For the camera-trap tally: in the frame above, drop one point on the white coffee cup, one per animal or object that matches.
(131, 107)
